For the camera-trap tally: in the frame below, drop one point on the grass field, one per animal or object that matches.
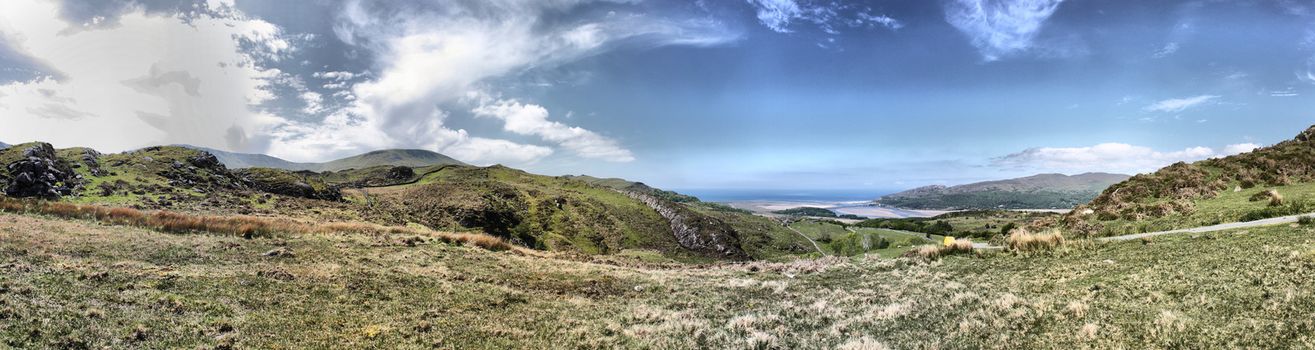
(852, 241)
(76, 284)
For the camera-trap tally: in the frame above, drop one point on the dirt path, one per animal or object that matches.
(1219, 227)
(810, 240)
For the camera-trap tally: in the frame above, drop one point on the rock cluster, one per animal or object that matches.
(40, 173)
(694, 231)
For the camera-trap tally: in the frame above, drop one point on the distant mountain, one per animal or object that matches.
(234, 160)
(4, 145)
(395, 157)
(1043, 191)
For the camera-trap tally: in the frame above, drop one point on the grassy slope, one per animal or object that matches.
(556, 213)
(836, 239)
(1044, 191)
(71, 283)
(1206, 192)
(761, 237)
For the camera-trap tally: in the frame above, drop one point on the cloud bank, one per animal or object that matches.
(430, 56)
(1109, 157)
(146, 79)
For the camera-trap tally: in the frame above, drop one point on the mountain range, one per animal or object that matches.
(394, 157)
(1042, 191)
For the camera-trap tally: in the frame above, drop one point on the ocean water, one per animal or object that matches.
(795, 195)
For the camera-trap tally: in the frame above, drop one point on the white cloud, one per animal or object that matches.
(999, 28)
(529, 119)
(335, 76)
(314, 102)
(1109, 157)
(778, 15)
(1239, 148)
(428, 59)
(1175, 105)
(148, 79)
(1168, 49)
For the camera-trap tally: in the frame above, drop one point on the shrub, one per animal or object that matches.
(1024, 241)
(1306, 220)
(932, 252)
(1275, 199)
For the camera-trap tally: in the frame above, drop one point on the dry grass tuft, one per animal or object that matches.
(1275, 199)
(1025, 241)
(932, 252)
(243, 226)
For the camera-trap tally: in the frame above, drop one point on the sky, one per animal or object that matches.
(759, 94)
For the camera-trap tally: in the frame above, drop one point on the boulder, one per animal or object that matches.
(40, 173)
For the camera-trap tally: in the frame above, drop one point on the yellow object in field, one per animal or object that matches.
(949, 241)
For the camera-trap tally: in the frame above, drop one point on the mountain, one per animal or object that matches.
(234, 160)
(571, 214)
(1042, 191)
(1267, 182)
(3, 145)
(393, 157)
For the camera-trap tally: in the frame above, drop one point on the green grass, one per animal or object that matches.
(77, 284)
(1228, 206)
(840, 240)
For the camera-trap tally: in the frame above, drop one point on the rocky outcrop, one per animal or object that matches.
(40, 173)
(288, 183)
(692, 230)
(400, 173)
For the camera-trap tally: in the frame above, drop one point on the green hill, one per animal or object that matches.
(1043, 191)
(392, 157)
(576, 214)
(1207, 192)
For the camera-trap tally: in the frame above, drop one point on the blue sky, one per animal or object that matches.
(868, 95)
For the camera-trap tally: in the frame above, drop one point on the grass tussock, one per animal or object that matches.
(933, 252)
(1023, 240)
(243, 226)
(1275, 199)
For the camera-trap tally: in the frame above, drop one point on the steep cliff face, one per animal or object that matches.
(693, 231)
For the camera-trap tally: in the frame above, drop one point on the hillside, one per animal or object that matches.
(1043, 191)
(234, 160)
(392, 157)
(3, 145)
(581, 215)
(574, 213)
(1212, 191)
(82, 284)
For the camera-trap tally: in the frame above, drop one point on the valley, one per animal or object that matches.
(167, 247)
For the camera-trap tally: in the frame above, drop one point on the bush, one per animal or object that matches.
(933, 252)
(1024, 241)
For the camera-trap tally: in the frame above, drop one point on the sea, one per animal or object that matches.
(786, 195)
